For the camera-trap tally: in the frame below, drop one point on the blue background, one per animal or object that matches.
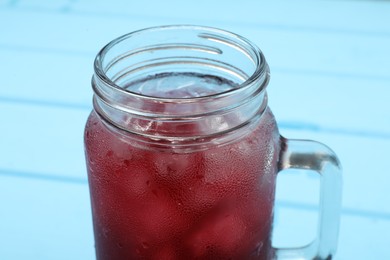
(330, 80)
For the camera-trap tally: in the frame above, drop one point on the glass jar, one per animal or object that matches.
(182, 151)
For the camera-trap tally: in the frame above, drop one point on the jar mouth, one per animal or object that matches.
(213, 42)
(231, 95)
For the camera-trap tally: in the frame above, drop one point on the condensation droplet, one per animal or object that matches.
(145, 245)
(126, 162)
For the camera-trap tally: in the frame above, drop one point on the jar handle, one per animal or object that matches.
(311, 155)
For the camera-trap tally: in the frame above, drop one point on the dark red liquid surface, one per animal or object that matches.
(210, 204)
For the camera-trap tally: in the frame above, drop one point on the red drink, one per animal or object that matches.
(206, 203)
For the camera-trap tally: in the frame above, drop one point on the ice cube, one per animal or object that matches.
(166, 253)
(159, 219)
(222, 234)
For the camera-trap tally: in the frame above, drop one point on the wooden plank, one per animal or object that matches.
(44, 220)
(43, 141)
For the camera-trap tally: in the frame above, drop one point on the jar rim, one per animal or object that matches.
(243, 44)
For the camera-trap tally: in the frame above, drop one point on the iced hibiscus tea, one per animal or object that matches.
(210, 203)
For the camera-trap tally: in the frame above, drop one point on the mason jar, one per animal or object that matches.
(183, 151)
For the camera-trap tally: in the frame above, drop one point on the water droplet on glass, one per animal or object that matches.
(145, 245)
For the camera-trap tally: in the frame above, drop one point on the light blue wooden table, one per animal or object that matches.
(330, 65)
